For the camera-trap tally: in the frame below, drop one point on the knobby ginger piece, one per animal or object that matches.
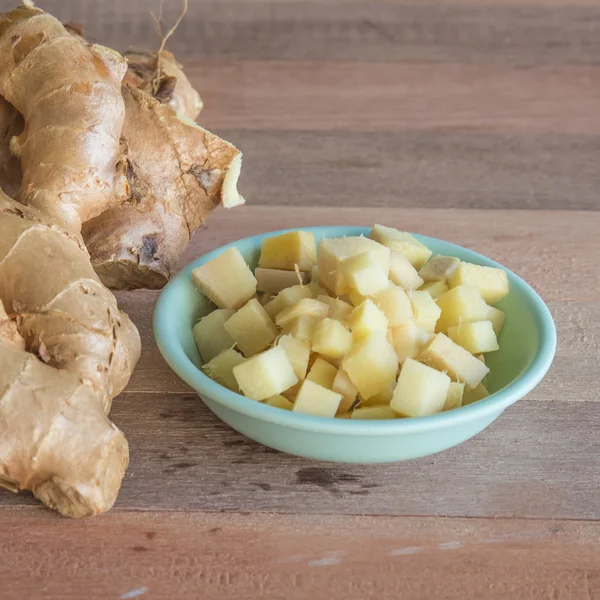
(289, 249)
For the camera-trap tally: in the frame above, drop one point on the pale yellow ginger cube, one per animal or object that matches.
(444, 355)
(461, 304)
(279, 402)
(425, 310)
(491, 282)
(342, 384)
(371, 364)
(289, 249)
(474, 394)
(476, 337)
(421, 390)
(298, 353)
(210, 335)
(331, 339)
(285, 298)
(226, 280)
(265, 298)
(355, 298)
(276, 280)
(383, 397)
(265, 375)
(220, 368)
(291, 393)
(332, 251)
(302, 328)
(395, 305)
(496, 316)
(315, 400)
(378, 413)
(251, 328)
(316, 289)
(366, 319)
(338, 309)
(435, 288)
(307, 307)
(439, 268)
(402, 273)
(454, 398)
(364, 274)
(409, 340)
(401, 241)
(323, 373)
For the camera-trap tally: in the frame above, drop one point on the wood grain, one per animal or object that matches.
(222, 557)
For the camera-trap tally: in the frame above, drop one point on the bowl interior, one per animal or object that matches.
(519, 339)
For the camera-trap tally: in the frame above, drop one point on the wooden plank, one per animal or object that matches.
(225, 557)
(389, 97)
(374, 30)
(417, 169)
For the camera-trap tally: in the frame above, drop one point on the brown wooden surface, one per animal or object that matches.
(473, 121)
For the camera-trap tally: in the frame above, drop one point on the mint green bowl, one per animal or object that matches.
(527, 346)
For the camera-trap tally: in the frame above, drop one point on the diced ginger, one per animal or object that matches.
(496, 316)
(226, 280)
(265, 375)
(473, 395)
(371, 364)
(444, 355)
(364, 274)
(409, 340)
(307, 307)
(374, 413)
(402, 273)
(355, 298)
(395, 305)
(289, 249)
(275, 280)
(342, 384)
(366, 319)
(401, 241)
(454, 398)
(210, 335)
(425, 310)
(383, 397)
(332, 251)
(286, 298)
(435, 288)
(251, 328)
(480, 357)
(490, 281)
(292, 392)
(315, 400)
(322, 373)
(265, 298)
(421, 390)
(461, 304)
(279, 402)
(297, 352)
(439, 268)
(338, 309)
(220, 368)
(476, 337)
(331, 339)
(302, 328)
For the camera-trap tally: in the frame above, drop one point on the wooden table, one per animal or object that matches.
(477, 122)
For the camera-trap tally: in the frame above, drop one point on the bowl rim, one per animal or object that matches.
(178, 361)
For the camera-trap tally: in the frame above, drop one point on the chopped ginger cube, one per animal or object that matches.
(439, 268)
(371, 364)
(298, 353)
(496, 316)
(461, 304)
(355, 298)
(307, 307)
(338, 309)
(210, 335)
(265, 375)
(220, 368)
(289, 249)
(383, 397)
(331, 339)
(435, 288)
(443, 354)
(364, 274)
(402, 273)
(395, 305)
(366, 319)
(342, 384)
(322, 373)
(374, 413)
(279, 402)
(454, 398)
(425, 311)
(315, 400)
(251, 328)
(409, 340)
(474, 394)
(401, 241)
(226, 280)
(286, 298)
(476, 337)
(421, 390)
(276, 280)
(302, 328)
(491, 282)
